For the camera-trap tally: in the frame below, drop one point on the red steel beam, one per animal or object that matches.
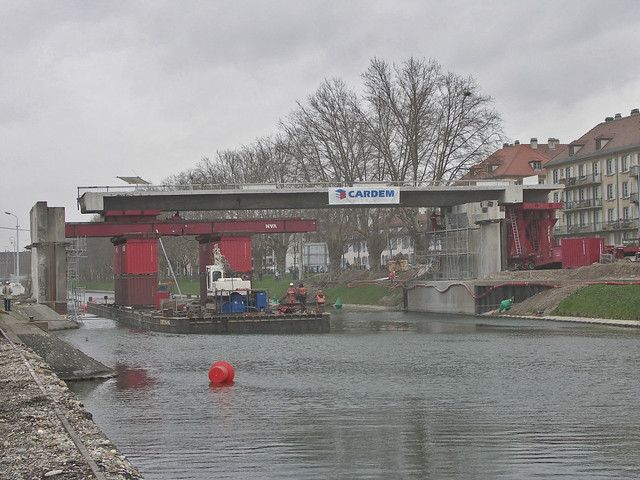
(189, 227)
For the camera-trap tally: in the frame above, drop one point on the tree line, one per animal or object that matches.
(411, 122)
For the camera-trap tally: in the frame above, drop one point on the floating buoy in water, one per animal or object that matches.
(221, 372)
(338, 304)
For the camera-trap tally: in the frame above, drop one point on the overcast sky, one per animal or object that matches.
(92, 90)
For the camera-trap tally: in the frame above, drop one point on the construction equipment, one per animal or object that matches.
(530, 240)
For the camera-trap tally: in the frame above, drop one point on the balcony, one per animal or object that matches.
(627, 224)
(598, 228)
(583, 204)
(581, 180)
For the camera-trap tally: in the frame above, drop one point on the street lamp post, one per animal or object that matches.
(17, 243)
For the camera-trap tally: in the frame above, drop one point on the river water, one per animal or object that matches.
(384, 395)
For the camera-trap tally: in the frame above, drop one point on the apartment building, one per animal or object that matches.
(600, 172)
(517, 161)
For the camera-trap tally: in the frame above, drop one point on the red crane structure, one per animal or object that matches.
(135, 233)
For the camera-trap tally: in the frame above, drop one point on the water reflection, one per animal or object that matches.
(129, 377)
(385, 395)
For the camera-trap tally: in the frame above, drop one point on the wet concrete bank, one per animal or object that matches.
(44, 431)
(30, 324)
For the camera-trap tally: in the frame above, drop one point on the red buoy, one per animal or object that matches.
(221, 371)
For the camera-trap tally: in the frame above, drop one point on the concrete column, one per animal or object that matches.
(49, 256)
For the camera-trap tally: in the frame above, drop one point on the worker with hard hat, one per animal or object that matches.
(292, 293)
(320, 301)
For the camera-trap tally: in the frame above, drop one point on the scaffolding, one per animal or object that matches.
(448, 254)
(75, 293)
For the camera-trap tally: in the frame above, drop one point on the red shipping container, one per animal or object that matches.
(120, 291)
(579, 252)
(138, 290)
(237, 251)
(139, 256)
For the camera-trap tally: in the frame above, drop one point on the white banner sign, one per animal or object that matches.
(373, 195)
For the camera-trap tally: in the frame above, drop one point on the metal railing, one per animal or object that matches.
(286, 186)
(629, 224)
(581, 180)
(590, 203)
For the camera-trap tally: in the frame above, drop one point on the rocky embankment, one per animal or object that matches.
(44, 431)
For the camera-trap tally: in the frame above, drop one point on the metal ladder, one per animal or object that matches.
(516, 234)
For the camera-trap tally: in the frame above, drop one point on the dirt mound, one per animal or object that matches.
(544, 302)
(621, 270)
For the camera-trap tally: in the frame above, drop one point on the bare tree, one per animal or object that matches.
(327, 142)
(425, 125)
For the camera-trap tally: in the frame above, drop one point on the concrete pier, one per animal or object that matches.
(49, 256)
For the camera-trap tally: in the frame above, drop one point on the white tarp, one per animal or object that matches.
(373, 195)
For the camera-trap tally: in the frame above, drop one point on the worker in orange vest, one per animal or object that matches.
(320, 301)
(302, 296)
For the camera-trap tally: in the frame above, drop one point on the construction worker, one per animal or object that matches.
(320, 301)
(302, 296)
(7, 291)
(291, 294)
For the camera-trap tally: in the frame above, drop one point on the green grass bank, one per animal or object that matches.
(621, 302)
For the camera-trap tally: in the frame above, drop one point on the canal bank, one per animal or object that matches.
(45, 431)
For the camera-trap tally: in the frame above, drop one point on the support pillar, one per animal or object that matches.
(48, 256)
(135, 269)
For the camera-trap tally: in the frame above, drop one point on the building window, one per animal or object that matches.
(596, 169)
(626, 213)
(611, 192)
(596, 220)
(556, 197)
(581, 171)
(582, 194)
(611, 215)
(624, 163)
(625, 189)
(405, 242)
(556, 176)
(610, 166)
(597, 193)
(583, 219)
(536, 165)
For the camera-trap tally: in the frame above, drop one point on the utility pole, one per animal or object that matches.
(17, 246)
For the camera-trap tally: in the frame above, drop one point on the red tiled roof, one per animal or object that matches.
(514, 161)
(621, 133)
